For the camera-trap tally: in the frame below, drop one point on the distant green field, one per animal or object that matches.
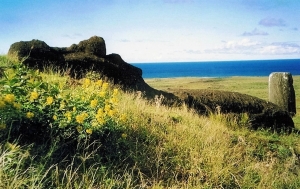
(255, 86)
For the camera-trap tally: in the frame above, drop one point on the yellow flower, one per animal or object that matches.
(9, 98)
(89, 131)
(17, 105)
(86, 82)
(100, 120)
(102, 93)
(2, 126)
(111, 112)
(29, 115)
(107, 107)
(33, 96)
(2, 104)
(114, 100)
(100, 112)
(81, 117)
(49, 100)
(94, 103)
(116, 92)
(104, 86)
(54, 117)
(99, 83)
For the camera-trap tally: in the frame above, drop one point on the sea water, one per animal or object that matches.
(218, 68)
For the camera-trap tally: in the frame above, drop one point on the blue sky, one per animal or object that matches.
(160, 30)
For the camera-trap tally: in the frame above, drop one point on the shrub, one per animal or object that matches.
(39, 112)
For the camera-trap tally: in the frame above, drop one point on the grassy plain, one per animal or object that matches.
(140, 144)
(255, 86)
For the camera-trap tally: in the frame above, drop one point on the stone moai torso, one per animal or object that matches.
(281, 91)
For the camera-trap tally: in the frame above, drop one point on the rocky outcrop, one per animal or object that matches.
(77, 60)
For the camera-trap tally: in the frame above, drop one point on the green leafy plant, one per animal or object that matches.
(38, 111)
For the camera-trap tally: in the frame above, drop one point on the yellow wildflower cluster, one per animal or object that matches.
(102, 93)
(114, 99)
(81, 117)
(29, 115)
(33, 96)
(104, 86)
(94, 103)
(99, 83)
(86, 82)
(49, 100)
(100, 116)
(116, 92)
(9, 98)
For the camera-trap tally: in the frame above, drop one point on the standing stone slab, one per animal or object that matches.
(281, 91)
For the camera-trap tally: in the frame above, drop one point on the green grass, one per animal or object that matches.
(141, 145)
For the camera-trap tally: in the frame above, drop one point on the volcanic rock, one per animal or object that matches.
(77, 60)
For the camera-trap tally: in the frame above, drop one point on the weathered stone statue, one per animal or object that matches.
(281, 91)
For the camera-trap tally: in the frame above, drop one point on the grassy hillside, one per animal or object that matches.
(57, 132)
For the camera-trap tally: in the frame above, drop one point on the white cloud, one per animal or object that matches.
(244, 46)
(281, 48)
(247, 46)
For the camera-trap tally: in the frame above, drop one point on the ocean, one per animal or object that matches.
(218, 68)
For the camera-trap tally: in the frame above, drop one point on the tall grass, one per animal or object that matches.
(149, 146)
